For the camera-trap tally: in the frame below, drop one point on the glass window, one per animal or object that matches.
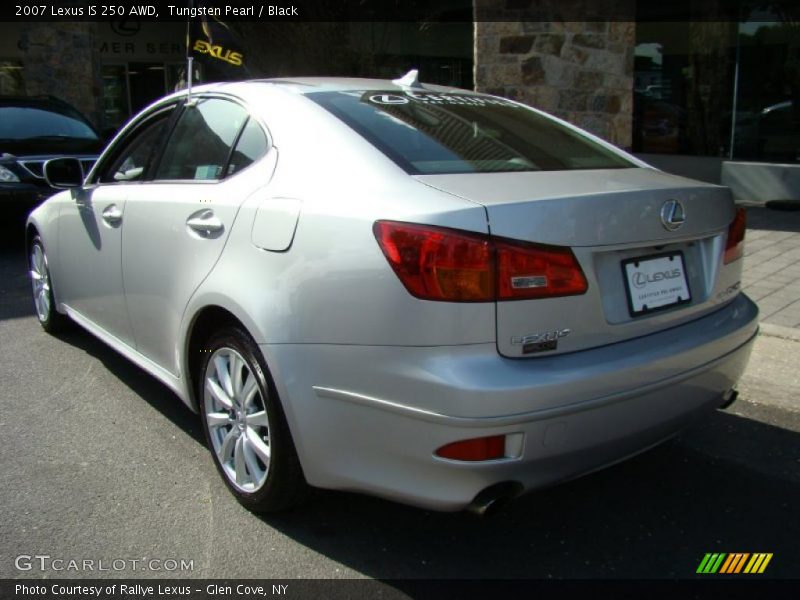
(12, 82)
(201, 143)
(115, 96)
(464, 133)
(768, 92)
(683, 81)
(725, 89)
(131, 163)
(176, 76)
(251, 146)
(44, 125)
(31, 122)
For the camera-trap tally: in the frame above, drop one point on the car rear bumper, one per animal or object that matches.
(370, 418)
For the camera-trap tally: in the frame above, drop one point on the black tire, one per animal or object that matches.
(285, 486)
(51, 320)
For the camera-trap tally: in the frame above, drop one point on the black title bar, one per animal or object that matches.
(401, 10)
(710, 587)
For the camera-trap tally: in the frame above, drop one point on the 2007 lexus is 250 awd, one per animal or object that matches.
(422, 293)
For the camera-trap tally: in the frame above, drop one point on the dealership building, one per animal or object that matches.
(715, 100)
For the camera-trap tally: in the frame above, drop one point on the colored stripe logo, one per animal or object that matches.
(734, 563)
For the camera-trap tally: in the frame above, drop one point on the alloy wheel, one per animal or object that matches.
(238, 426)
(40, 281)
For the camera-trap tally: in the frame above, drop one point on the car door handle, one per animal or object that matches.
(205, 223)
(112, 215)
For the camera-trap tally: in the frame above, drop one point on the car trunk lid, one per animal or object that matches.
(612, 221)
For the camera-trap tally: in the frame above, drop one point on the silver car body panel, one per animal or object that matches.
(606, 217)
(373, 380)
(90, 254)
(552, 207)
(176, 384)
(164, 260)
(275, 223)
(577, 412)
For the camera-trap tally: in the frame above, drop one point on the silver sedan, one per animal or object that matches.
(422, 293)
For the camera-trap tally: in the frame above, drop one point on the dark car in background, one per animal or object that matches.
(771, 134)
(32, 131)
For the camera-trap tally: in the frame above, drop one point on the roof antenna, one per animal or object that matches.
(189, 61)
(410, 79)
(189, 58)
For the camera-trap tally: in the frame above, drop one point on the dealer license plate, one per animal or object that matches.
(655, 282)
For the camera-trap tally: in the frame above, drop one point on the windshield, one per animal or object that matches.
(427, 133)
(20, 123)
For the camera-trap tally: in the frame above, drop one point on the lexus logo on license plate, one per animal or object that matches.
(672, 215)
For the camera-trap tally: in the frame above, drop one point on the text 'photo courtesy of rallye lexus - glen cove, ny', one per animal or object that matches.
(431, 295)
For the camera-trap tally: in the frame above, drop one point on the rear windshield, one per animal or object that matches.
(427, 133)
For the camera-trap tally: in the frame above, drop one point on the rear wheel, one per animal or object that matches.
(245, 426)
(43, 299)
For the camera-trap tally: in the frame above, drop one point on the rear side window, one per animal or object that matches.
(199, 147)
(427, 133)
(251, 146)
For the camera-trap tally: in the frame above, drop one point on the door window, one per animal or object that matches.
(201, 143)
(131, 162)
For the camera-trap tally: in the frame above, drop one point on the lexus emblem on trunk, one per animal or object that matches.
(672, 215)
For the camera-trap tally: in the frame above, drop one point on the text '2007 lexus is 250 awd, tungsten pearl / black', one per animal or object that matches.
(423, 293)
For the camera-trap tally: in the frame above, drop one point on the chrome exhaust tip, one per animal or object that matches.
(729, 398)
(492, 499)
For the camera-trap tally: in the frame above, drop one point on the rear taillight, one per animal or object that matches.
(475, 450)
(438, 264)
(734, 245)
(435, 263)
(533, 271)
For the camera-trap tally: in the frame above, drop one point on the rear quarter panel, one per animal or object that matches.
(333, 285)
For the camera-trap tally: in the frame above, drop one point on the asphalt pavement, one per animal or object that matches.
(103, 463)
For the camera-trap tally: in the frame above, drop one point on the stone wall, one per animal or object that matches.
(58, 59)
(579, 71)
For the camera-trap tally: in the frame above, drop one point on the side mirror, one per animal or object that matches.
(63, 173)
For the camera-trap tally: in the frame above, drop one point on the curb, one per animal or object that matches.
(778, 331)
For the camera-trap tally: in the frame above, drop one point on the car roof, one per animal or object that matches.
(308, 85)
(346, 84)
